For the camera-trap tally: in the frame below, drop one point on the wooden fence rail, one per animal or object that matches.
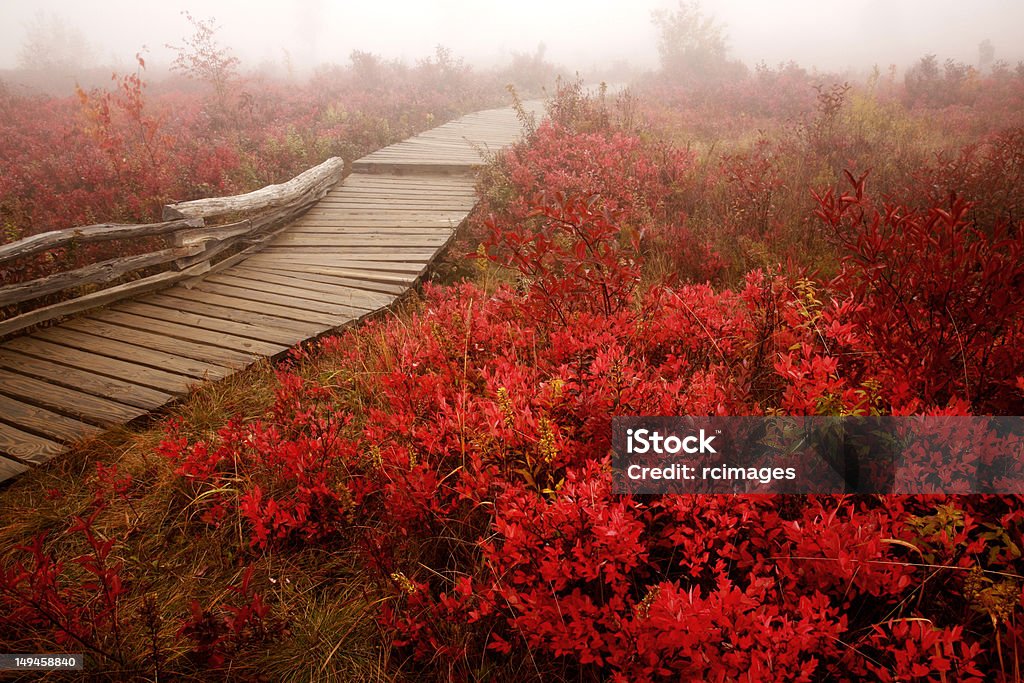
(197, 247)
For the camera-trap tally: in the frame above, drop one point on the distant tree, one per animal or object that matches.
(203, 58)
(444, 71)
(530, 72)
(922, 81)
(50, 44)
(986, 54)
(692, 46)
(367, 67)
(925, 83)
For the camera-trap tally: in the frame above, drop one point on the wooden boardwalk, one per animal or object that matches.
(356, 251)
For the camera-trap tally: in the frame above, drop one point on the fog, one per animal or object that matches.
(580, 35)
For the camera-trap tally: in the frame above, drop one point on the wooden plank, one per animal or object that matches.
(390, 210)
(431, 155)
(44, 241)
(403, 280)
(96, 299)
(9, 469)
(96, 273)
(331, 291)
(77, 404)
(371, 166)
(400, 254)
(160, 342)
(221, 338)
(365, 192)
(411, 220)
(287, 257)
(327, 173)
(282, 328)
(32, 418)
(103, 365)
(333, 280)
(263, 333)
(231, 301)
(215, 233)
(432, 220)
(282, 295)
(119, 350)
(394, 272)
(409, 260)
(26, 447)
(342, 242)
(395, 202)
(362, 230)
(74, 378)
(41, 421)
(328, 222)
(378, 182)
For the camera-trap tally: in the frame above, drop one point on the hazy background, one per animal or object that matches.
(578, 34)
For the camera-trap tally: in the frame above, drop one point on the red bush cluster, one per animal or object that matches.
(119, 154)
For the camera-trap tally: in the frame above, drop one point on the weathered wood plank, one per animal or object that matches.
(156, 341)
(189, 303)
(366, 192)
(323, 291)
(270, 335)
(9, 469)
(79, 405)
(119, 350)
(38, 420)
(315, 277)
(143, 375)
(325, 174)
(343, 242)
(246, 347)
(230, 300)
(348, 260)
(26, 447)
(97, 273)
(96, 299)
(44, 241)
(393, 219)
(393, 202)
(73, 378)
(219, 232)
(281, 295)
(365, 231)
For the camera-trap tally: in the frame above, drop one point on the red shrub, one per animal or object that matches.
(938, 302)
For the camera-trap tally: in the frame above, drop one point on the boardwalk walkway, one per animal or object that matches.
(356, 251)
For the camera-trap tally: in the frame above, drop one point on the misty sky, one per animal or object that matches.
(578, 34)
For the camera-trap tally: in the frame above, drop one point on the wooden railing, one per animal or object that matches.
(197, 247)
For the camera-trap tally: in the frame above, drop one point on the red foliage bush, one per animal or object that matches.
(938, 303)
(288, 467)
(119, 154)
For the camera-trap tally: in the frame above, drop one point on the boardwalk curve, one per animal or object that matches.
(369, 240)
